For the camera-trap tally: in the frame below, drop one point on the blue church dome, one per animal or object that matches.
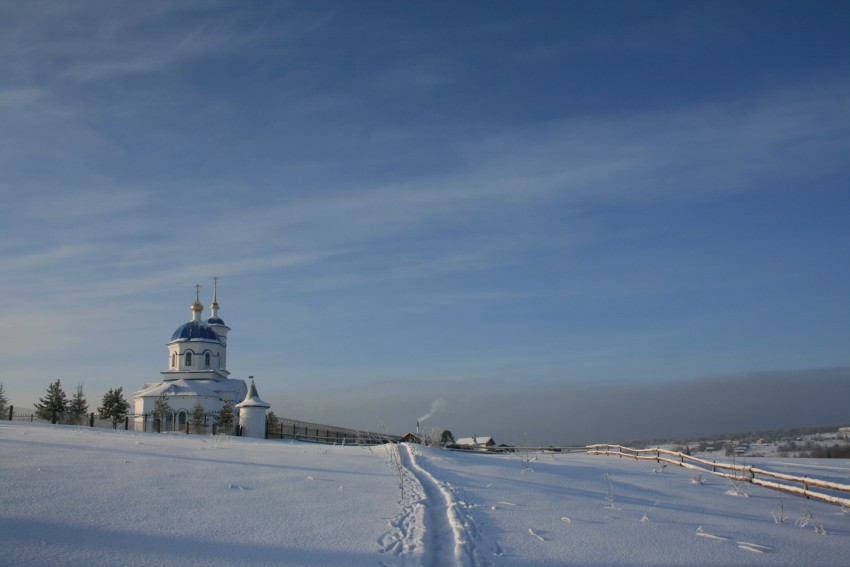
(215, 321)
(195, 330)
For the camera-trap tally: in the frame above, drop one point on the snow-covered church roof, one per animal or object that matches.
(181, 387)
(252, 399)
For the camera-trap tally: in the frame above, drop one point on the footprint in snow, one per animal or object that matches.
(754, 547)
(702, 533)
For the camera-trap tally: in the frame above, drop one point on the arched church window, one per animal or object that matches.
(173, 360)
(207, 359)
(188, 359)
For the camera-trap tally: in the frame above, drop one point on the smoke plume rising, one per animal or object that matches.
(436, 406)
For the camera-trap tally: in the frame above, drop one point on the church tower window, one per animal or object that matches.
(173, 360)
(188, 359)
(207, 359)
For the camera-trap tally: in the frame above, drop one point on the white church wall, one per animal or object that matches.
(252, 420)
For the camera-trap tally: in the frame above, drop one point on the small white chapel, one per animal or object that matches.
(197, 372)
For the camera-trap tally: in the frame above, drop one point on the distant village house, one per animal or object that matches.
(475, 443)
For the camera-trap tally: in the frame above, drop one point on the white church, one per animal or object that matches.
(197, 373)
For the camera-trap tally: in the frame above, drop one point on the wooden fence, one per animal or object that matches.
(319, 433)
(734, 472)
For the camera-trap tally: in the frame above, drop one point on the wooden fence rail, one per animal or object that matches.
(735, 472)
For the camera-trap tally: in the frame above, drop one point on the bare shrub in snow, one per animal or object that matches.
(738, 482)
(645, 518)
(808, 519)
(525, 459)
(779, 515)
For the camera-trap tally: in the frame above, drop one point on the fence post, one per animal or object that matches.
(126, 423)
(11, 411)
(187, 425)
(91, 419)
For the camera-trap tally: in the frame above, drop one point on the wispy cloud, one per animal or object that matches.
(49, 258)
(88, 42)
(663, 155)
(88, 203)
(574, 165)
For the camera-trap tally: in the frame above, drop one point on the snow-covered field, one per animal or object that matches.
(103, 498)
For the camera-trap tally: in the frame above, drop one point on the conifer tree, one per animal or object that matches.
(4, 402)
(272, 423)
(198, 417)
(225, 417)
(447, 438)
(114, 406)
(54, 406)
(78, 408)
(161, 410)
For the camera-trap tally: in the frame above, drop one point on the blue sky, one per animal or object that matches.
(487, 202)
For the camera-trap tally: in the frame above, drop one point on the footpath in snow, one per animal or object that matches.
(434, 527)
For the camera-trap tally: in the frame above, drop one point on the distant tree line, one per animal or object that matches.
(810, 449)
(768, 435)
